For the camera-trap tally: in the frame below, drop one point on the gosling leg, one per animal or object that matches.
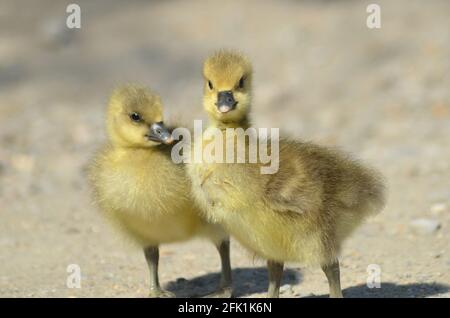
(152, 257)
(225, 288)
(275, 270)
(333, 276)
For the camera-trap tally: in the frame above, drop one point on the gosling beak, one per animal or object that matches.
(159, 133)
(225, 102)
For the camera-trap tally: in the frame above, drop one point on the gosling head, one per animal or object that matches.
(135, 118)
(227, 88)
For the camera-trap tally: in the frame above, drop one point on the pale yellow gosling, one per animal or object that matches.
(139, 188)
(302, 213)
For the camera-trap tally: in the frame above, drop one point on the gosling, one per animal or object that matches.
(303, 212)
(138, 187)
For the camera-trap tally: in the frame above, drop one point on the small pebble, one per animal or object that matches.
(425, 226)
(438, 208)
(109, 275)
(286, 288)
(22, 163)
(72, 230)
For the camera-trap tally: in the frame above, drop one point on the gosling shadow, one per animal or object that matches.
(245, 281)
(392, 290)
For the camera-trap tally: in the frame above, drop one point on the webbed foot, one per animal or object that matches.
(160, 293)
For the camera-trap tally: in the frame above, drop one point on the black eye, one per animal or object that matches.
(210, 85)
(241, 82)
(135, 117)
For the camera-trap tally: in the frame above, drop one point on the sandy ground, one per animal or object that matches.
(321, 75)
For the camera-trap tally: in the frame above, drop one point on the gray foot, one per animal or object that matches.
(224, 292)
(160, 293)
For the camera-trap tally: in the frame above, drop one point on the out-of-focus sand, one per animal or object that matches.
(321, 75)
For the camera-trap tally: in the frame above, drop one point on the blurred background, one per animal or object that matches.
(320, 74)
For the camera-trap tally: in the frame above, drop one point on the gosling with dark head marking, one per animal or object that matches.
(138, 187)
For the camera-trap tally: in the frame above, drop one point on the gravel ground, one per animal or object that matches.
(321, 75)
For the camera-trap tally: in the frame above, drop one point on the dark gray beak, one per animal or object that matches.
(225, 101)
(159, 133)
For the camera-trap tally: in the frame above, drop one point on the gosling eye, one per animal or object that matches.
(135, 117)
(210, 85)
(241, 82)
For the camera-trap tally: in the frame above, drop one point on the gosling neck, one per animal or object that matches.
(244, 123)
